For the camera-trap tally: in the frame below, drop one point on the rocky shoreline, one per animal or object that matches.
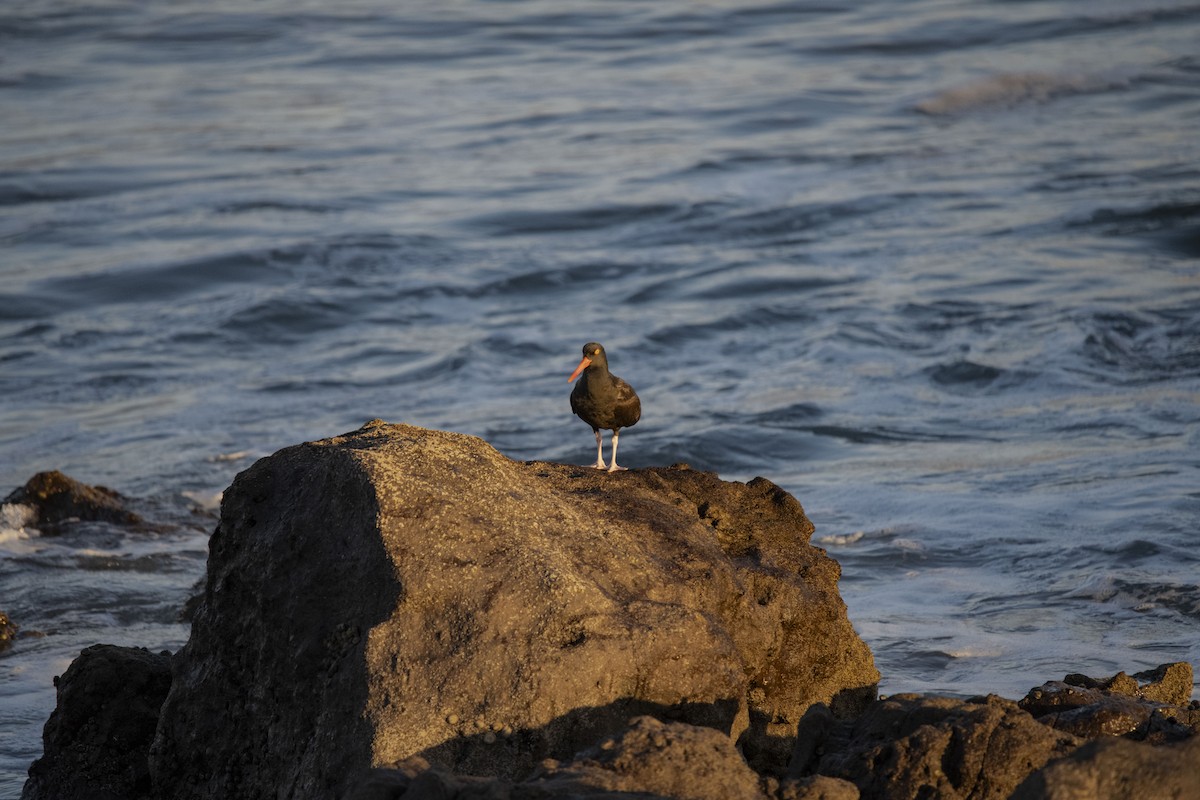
(399, 612)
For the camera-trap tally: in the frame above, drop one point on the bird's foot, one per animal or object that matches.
(615, 468)
(601, 465)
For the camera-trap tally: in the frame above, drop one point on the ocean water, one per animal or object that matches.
(933, 266)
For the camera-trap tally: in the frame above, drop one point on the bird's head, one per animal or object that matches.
(593, 354)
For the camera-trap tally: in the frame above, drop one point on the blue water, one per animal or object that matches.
(932, 266)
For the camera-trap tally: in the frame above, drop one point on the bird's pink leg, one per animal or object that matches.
(599, 451)
(614, 467)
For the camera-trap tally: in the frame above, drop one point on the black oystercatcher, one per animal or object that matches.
(603, 400)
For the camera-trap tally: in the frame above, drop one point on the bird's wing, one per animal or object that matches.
(575, 399)
(629, 405)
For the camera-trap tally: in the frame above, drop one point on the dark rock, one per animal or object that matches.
(399, 592)
(1170, 684)
(1054, 697)
(1119, 706)
(416, 779)
(648, 759)
(658, 759)
(382, 783)
(97, 739)
(58, 498)
(1171, 724)
(812, 733)
(1118, 769)
(1086, 712)
(1119, 683)
(8, 632)
(1112, 716)
(911, 746)
(817, 787)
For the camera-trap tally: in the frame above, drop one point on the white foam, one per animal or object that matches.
(842, 538)
(976, 651)
(207, 501)
(16, 527)
(16, 521)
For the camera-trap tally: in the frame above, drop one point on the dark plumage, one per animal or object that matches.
(603, 400)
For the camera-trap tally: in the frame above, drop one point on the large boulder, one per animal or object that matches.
(398, 592)
(98, 737)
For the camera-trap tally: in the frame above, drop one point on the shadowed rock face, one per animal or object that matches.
(910, 747)
(97, 739)
(398, 592)
(659, 759)
(1118, 769)
(650, 759)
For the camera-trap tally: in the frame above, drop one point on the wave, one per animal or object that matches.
(158, 282)
(1174, 225)
(556, 278)
(1143, 596)
(356, 257)
(884, 435)
(751, 317)
(518, 223)
(930, 36)
(792, 224)
(290, 318)
(258, 206)
(966, 375)
(59, 185)
(1143, 347)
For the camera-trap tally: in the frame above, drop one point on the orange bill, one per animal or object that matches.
(582, 366)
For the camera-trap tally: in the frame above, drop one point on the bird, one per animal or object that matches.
(603, 400)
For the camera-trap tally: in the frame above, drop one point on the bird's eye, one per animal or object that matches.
(595, 352)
